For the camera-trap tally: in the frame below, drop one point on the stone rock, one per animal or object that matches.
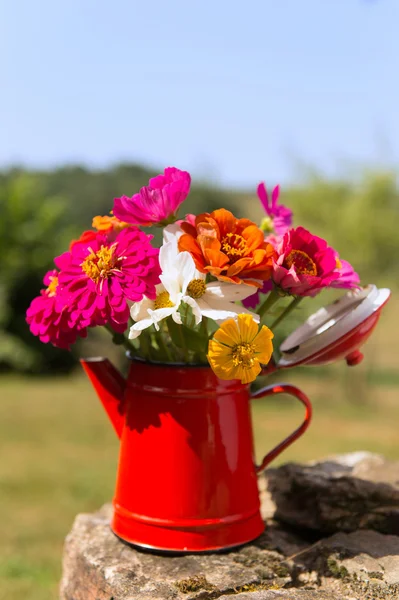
(345, 493)
(277, 565)
(366, 555)
(290, 594)
(98, 565)
(296, 558)
(364, 562)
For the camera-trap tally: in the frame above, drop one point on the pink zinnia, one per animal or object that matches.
(305, 264)
(348, 278)
(101, 275)
(156, 204)
(49, 317)
(279, 215)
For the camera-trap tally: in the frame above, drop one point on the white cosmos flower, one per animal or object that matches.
(182, 282)
(172, 232)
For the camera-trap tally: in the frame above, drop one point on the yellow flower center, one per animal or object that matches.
(243, 355)
(302, 262)
(196, 288)
(52, 287)
(99, 265)
(234, 245)
(163, 301)
(338, 263)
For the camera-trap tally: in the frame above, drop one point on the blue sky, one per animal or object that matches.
(235, 91)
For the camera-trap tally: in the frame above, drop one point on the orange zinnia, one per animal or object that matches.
(228, 248)
(108, 223)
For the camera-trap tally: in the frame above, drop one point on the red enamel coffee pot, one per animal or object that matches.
(187, 480)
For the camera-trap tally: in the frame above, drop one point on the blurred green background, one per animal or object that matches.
(228, 90)
(59, 454)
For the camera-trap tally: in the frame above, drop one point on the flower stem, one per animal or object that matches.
(205, 334)
(204, 327)
(293, 304)
(163, 346)
(188, 317)
(145, 345)
(183, 344)
(178, 329)
(268, 303)
(120, 340)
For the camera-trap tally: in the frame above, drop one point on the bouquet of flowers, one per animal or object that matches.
(205, 296)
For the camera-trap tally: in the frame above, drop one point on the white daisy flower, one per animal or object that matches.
(182, 282)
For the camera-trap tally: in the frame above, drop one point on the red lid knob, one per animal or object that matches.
(354, 358)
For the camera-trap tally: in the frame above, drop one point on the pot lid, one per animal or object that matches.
(335, 331)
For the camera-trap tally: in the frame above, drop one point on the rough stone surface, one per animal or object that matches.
(363, 562)
(97, 565)
(282, 595)
(284, 563)
(290, 594)
(346, 493)
(368, 554)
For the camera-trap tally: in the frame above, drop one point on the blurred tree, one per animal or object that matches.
(33, 229)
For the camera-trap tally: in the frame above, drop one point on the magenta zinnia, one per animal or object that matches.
(100, 276)
(279, 217)
(49, 317)
(305, 264)
(157, 203)
(348, 278)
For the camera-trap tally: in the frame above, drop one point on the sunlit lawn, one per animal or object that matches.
(58, 455)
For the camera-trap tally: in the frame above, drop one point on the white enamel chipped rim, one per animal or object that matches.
(331, 323)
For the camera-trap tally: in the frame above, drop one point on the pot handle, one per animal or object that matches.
(283, 388)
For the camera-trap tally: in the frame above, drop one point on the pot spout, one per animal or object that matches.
(109, 386)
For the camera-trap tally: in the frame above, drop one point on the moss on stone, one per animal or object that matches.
(252, 587)
(248, 587)
(194, 584)
(281, 570)
(340, 572)
(376, 575)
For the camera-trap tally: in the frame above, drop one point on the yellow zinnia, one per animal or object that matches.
(238, 348)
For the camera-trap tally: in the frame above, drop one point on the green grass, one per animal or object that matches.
(59, 456)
